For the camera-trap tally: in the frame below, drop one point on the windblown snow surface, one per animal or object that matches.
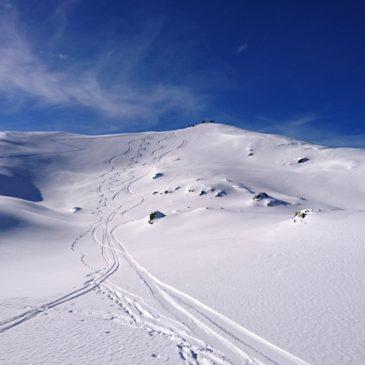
(227, 276)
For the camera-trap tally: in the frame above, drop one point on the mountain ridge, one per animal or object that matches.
(261, 237)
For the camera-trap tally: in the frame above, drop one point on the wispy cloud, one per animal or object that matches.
(343, 140)
(241, 48)
(310, 127)
(298, 125)
(59, 16)
(25, 74)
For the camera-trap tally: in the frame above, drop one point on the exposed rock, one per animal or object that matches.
(155, 215)
(261, 196)
(269, 200)
(157, 175)
(302, 160)
(272, 202)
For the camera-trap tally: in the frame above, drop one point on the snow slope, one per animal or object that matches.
(228, 276)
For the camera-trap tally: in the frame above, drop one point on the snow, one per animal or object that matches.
(231, 274)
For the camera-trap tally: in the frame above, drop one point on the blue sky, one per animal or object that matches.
(287, 67)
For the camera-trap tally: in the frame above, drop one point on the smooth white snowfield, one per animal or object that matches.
(226, 277)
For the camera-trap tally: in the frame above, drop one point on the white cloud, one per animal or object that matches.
(242, 47)
(342, 140)
(295, 126)
(308, 127)
(59, 16)
(62, 56)
(24, 74)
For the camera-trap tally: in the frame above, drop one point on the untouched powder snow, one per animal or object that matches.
(256, 255)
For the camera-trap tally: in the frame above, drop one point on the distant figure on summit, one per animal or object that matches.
(204, 121)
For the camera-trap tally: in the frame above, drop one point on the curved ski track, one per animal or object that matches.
(200, 333)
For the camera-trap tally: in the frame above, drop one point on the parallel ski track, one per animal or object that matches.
(87, 287)
(177, 303)
(161, 291)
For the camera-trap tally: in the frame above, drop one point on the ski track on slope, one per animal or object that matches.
(165, 296)
(185, 354)
(23, 317)
(191, 348)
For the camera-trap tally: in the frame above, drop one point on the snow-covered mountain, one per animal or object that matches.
(254, 252)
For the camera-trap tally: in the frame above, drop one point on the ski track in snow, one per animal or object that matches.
(201, 334)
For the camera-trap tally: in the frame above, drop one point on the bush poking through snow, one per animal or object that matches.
(302, 214)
